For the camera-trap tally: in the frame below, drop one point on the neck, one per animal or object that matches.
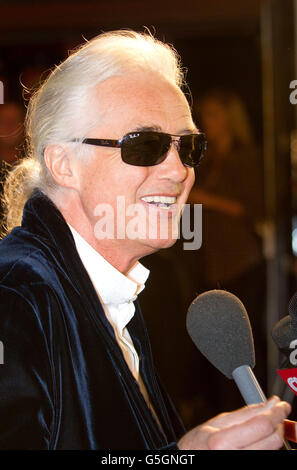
(115, 253)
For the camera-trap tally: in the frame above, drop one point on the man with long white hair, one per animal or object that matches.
(111, 151)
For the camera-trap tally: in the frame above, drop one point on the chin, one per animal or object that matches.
(159, 244)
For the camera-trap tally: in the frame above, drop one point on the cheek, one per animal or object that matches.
(190, 180)
(93, 189)
(126, 182)
(104, 182)
(132, 180)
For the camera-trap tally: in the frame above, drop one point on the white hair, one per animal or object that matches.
(59, 108)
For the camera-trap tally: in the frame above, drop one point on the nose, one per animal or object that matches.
(172, 167)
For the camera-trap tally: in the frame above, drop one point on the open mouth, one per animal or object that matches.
(162, 202)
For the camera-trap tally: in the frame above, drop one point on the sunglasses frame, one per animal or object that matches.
(175, 139)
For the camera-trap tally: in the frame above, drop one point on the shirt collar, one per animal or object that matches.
(112, 286)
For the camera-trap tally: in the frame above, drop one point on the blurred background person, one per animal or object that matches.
(11, 131)
(229, 185)
(11, 139)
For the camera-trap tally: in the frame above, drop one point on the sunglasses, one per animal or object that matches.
(149, 148)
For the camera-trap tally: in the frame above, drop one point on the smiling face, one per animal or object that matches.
(134, 102)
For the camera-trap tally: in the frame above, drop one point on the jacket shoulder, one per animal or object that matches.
(24, 259)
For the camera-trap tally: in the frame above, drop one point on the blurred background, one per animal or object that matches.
(241, 61)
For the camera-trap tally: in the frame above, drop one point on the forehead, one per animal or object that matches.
(148, 100)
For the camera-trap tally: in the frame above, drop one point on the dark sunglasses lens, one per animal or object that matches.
(145, 148)
(191, 149)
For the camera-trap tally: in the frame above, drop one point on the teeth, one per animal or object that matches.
(160, 199)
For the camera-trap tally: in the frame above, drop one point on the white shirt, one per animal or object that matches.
(117, 293)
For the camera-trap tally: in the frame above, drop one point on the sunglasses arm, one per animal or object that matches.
(100, 142)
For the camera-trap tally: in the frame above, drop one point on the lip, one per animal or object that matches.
(161, 194)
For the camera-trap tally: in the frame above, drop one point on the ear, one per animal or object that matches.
(59, 163)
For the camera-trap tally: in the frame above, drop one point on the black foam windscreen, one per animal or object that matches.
(219, 325)
(292, 308)
(284, 332)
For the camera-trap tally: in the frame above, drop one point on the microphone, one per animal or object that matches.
(220, 328)
(284, 335)
(285, 331)
(293, 306)
(218, 324)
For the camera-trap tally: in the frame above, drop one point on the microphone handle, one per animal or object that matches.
(250, 389)
(248, 385)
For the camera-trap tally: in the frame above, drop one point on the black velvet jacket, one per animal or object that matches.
(64, 383)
